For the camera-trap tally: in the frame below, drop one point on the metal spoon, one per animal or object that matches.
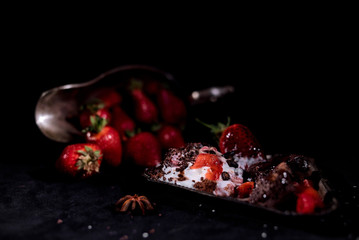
(57, 106)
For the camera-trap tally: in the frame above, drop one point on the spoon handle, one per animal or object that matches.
(211, 94)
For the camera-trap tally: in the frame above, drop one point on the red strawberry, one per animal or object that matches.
(108, 139)
(240, 139)
(85, 116)
(209, 160)
(80, 160)
(308, 200)
(245, 189)
(144, 149)
(152, 87)
(172, 108)
(109, 96)
(145, 109)
(170, 137)
(122, 122)
(236, 138)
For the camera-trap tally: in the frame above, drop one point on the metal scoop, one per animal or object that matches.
(56, 107)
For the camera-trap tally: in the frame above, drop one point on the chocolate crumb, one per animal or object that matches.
(206, 185)
(232, 163)
(181, 176)
(225, 176)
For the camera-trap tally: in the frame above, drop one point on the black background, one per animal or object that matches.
(295, 89)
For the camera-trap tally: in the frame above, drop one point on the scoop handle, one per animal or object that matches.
(211, 94)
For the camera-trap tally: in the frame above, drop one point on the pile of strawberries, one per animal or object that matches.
(137, 123)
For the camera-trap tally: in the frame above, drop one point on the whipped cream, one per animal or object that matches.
(230, 177)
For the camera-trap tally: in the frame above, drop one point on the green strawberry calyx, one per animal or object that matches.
(93, 106)
(135, 84)
(218, 129)
(88, 160)
(97, 124)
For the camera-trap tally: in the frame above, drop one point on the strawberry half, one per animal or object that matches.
(211, 161)
(107, 138)
(144, 149)
(80, 160)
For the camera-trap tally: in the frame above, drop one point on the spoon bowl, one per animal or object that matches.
(57, 108)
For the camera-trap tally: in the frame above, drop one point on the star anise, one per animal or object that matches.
(124, 203)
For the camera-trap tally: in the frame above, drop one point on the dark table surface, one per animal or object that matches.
(289, 104)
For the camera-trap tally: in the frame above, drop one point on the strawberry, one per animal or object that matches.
(109, 96)
(240, 139)
(107, 138)
(80, 160)
(144, 149)
(170, 137)
(145, 109)
(236, 138)
(211, 161)
(85, 116)
(152, 87)
(172, 108)
(308, 200)
(122, 122)
(245, 189)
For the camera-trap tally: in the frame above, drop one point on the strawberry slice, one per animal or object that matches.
(211, 161)
(245, 189)
(308, 200)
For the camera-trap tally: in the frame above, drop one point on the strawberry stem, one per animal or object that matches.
(218, 129)
(93, 106)
(97, 124)
(132, 133)
(88, 160)
(135, 84)
(155, 127)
